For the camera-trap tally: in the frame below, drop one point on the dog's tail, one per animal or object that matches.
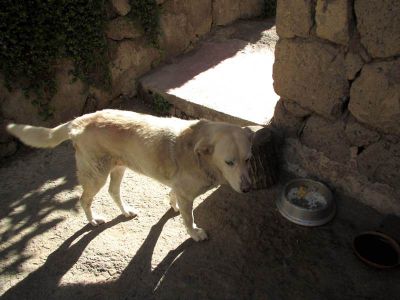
(40, 137)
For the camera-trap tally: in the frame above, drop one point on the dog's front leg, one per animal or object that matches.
(186, 210)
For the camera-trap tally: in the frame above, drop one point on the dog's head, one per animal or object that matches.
(228, 148)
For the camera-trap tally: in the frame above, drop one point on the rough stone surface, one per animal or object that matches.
(71, 94)
(294, 18)
(285, 121)
(172, 40)
(193, 20)
(327, 137)
(353, 64)
(16, 107)
(344, 70)
(123, 28)
(379, 25)
(225, 11)
(381, 163)
(343, 177)
(102, 97)
(122, 7)
(358, 135)
(294, 108)
(67, 103)
(199, 16)
(251, 8)
(313, 74)
(130, 59)
(333, 20)
(375, 96)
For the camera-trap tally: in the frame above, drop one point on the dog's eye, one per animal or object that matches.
(229, 162)
(247, 160)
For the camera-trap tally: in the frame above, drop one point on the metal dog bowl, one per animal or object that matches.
(306, 202)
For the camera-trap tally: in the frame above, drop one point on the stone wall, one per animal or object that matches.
(182, 23)
(337, 71)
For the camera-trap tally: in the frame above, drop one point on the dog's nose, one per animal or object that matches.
(245, 185)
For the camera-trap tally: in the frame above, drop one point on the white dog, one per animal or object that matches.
(189, 156)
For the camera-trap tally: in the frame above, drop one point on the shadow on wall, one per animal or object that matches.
(25, 208)
(253, 253)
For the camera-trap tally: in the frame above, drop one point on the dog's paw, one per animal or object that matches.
(198, 234)
(130, 212)
(97, 221)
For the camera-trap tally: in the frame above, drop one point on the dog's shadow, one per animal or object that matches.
(138, 280)
(27, 191)
(44, 282)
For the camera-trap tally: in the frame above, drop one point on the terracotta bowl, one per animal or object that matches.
(377, 249)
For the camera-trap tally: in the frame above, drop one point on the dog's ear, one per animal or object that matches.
(249, 132)
(203, 147)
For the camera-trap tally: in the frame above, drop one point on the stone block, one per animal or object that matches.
(193, 18)
(123, 28)
(358, 135)
(71, 94)
(174, 41)
(333, 20)
(251, 8)
(295, 109)
(353, 64)
(225, 11)
(121, 7)
(130, 59)
(285, 121)
(313, 74)
(199, 16)
(294, 18)
(375, 96)
(67, 103)
(381, 163)
(378, 23)
(326, 137)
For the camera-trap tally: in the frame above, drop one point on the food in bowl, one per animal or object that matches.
(306, 197)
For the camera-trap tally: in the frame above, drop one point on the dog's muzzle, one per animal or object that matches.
(245, 184)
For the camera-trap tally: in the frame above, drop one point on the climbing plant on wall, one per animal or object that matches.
(147, 13)
(35, 33)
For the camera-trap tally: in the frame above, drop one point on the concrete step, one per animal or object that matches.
(228, 77)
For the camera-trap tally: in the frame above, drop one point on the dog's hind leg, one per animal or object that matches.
(92, 175)
(90, 189)
(116, 175)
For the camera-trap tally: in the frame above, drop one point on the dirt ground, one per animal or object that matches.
(48, 251)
